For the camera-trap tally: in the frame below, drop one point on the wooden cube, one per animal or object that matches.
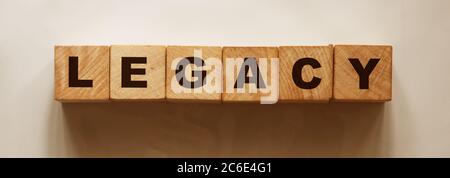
(257, 82)
(138, 72)
(306, 73)
(194, 73)
(81, 73)
(362, 73)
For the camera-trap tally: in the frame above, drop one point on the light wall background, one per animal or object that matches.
(415, 123)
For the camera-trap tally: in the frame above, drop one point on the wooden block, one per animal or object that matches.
(138, 72)
(249, 90)
(185, 68)
(306, 73)
(81, 73)
(362, 73)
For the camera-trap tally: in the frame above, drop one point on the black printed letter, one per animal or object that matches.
(297, 73)
(73, 74)
(200, 75)
(364, 73)
(249, 62)
(127, 71)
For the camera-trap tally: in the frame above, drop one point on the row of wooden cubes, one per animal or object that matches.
(100, 72)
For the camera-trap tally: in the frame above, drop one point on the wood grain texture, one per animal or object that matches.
(346, 79)
(93, 64)
(154, 72)
(175, 53)
(289, 91)
(241, 53)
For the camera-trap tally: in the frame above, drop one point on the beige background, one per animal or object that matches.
(415, 123)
